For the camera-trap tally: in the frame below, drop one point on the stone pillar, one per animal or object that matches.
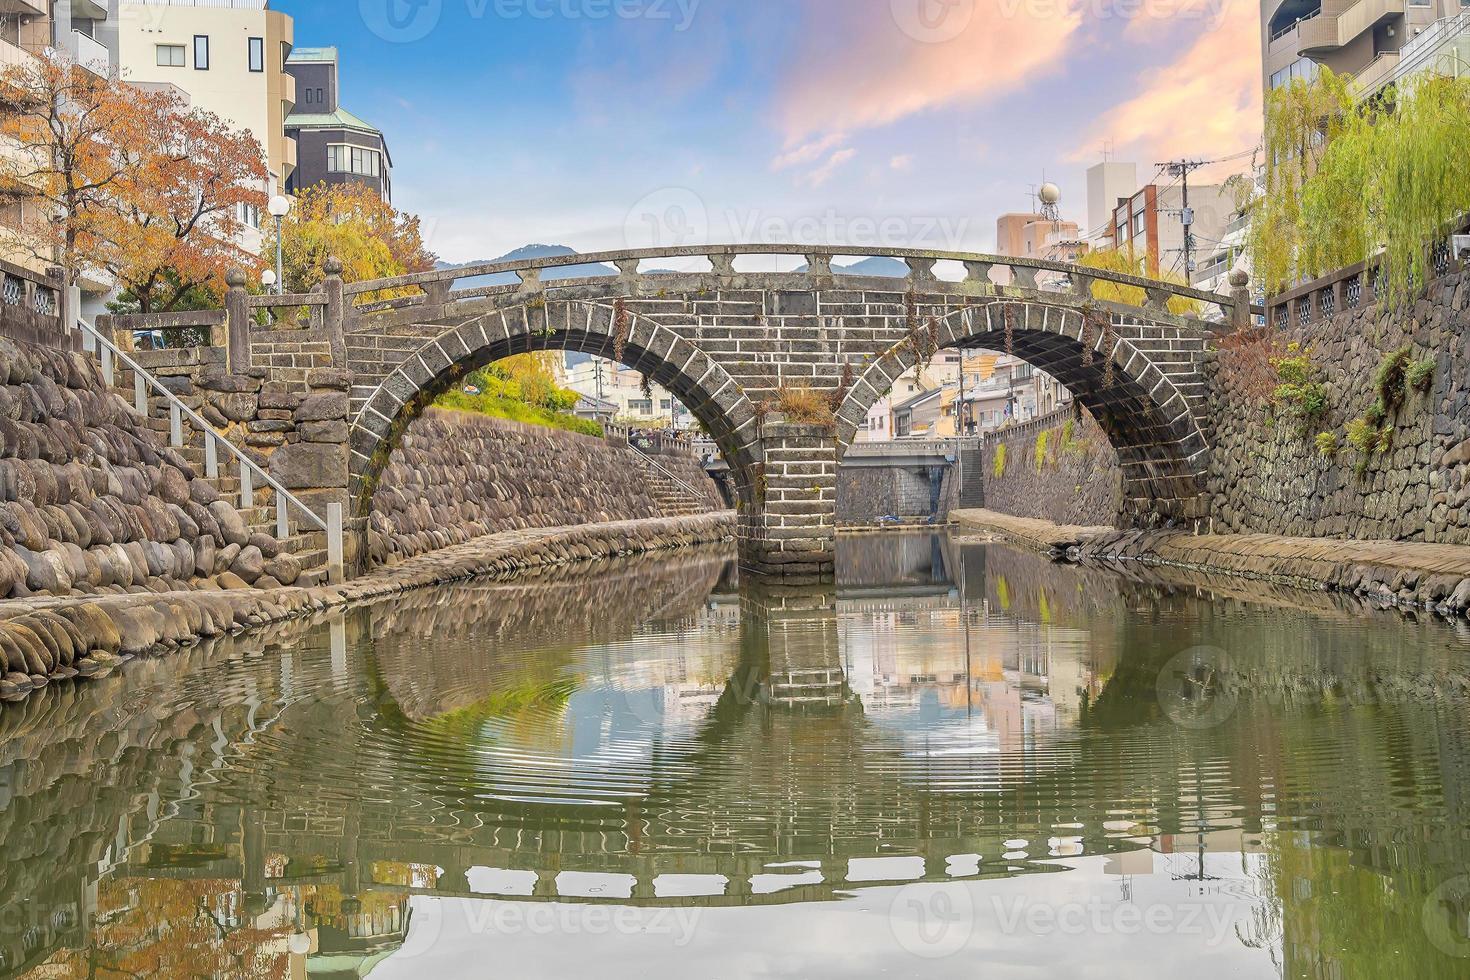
(788, 526)
(792, 630)
(1240, 296)
(335, 313)
(237, 323)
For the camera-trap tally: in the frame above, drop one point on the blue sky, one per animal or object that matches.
(604, 124)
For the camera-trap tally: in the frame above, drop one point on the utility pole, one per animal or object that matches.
(1182, 169)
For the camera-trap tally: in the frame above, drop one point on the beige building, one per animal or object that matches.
(228, 57)
(1362, 38)
(1035, 236)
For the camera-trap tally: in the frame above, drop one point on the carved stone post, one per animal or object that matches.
(334, 313)
(1240, 297)
(237, 323)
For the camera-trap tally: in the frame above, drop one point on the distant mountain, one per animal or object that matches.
(886, 267)
(531, 252)
(878, 266)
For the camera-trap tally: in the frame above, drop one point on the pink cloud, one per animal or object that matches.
(824, 173)
(808, 152)
(863, 67)
(1205, 103)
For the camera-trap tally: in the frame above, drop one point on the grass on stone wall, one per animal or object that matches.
(1000, 461)
(520, 389)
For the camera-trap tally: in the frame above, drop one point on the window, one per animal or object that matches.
(257, 54)
(642, 406)
(321, 97)
(345, 159)
(250, 215)
(171, 55)
(201, 52)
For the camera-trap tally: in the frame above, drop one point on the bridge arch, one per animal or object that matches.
(1143, 400)
(591, 326)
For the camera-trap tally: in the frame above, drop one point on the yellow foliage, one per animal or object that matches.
(1128, 263)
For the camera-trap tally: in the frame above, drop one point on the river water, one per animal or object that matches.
(962, 761)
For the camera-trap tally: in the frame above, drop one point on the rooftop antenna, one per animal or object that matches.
(1049, 197)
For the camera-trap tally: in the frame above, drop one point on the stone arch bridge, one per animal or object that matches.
(729, 342)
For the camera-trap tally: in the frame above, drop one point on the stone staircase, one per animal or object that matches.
(671, 496)
(308, 545)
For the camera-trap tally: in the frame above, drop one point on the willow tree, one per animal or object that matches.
(1347, 180)
(1412, 165)
(1303, 118)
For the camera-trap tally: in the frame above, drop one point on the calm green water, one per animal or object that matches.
(963, 761)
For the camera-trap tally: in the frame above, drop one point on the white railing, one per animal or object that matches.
(1429, 46)
(250, 471)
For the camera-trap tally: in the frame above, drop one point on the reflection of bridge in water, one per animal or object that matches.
(388, 755)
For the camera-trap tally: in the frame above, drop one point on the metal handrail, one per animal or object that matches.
(664, 470)
(249, 469)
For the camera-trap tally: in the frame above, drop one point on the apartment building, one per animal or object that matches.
(1150, 223)
(1108, 183)
(229, 57)
(1363, 38)
(333, 146)
(86, 31)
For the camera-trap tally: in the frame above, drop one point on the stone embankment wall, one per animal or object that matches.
(91, 503)
(456, 476)
(870, 496)
(1057, 468)
(1268, 474)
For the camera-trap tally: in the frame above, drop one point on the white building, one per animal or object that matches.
(228, 57)
(622, 388)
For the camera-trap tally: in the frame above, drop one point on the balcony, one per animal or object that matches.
(13, 55)
(1376, 74)
(1329, 32)
(89, 53)
(26, 8)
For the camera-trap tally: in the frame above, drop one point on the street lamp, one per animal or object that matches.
(268, 280)
(279, 207)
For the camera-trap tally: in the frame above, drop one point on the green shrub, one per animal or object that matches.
(1327, 444)
(1000, 461)
(1421, 375)
(1391, 381)
(1043, 441)
(1298, 395)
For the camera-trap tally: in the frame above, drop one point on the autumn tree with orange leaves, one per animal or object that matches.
(352, 223)
(123, 181)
